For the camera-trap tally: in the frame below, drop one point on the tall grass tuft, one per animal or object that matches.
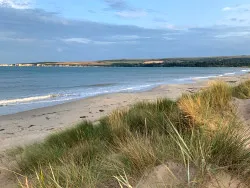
(210, 107)
(54, 148)
(199, 131)
(145, 117)
(138, 152)
(242, 91)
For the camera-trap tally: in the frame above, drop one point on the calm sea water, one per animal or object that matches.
(25, 88)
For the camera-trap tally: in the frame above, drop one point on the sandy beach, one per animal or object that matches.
(32, 126)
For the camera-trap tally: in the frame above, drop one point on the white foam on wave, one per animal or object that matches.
(195, 78)
(230, 73)
(25, 100)
(138, 87)
(213, 76)
(202, 77)
(245, 70)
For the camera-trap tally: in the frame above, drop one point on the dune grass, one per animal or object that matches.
(210, 107)
(58, 145)
(242, 91)
(199, 131)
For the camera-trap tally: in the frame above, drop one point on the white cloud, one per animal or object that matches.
(166, 25)
(54, 19)
(11, 36)
(236, 15)
(131, 14)
(234, 34)
(226, 9)
(103, 42)
(77, 40)
(129, 42)
(169, 38)
(116, 39)
(17, 4)
(170, 26)
(128, 37)
(96, 42)
(243, 7)
(17, 39)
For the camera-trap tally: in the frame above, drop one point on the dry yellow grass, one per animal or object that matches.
(209, 107)
(115, 120)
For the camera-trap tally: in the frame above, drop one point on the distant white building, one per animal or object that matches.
(6, 65)
(24, 65)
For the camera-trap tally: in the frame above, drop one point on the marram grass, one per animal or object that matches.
(199, 131)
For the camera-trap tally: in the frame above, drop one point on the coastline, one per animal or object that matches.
(31, 126)
(28, 95)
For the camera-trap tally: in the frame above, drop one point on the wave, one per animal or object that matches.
(101, 85)
(195, 78)
(211, 76)
(230, 73)
(25, 100)
(245, 70)
(202, 77)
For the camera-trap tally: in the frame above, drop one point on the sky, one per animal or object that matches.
(82, 30)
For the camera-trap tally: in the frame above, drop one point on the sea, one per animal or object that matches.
(26, 88)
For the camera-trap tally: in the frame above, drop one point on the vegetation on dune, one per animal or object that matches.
(145, 117)
(209, 108)
(242, 91)
(198, 131)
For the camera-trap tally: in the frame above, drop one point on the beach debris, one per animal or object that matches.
(49, 129)
(2, 129)
(83, 117)
(31, 126)
(101, 110)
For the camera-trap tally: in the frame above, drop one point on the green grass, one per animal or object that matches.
(242, 91)
(145, 117)
(198, 131)
(58, 145)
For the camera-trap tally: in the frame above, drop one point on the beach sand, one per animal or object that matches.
(34, 125)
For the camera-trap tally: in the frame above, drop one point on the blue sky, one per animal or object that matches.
(78, 30)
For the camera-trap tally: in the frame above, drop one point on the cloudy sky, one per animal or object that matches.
(77, 30)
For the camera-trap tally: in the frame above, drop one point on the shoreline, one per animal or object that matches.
(33, 101)
(34, 125)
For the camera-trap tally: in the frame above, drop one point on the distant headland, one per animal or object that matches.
(220, 61)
